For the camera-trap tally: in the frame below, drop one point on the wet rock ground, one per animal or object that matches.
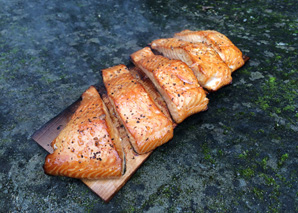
(239, 156)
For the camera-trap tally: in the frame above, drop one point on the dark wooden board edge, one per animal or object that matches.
(61, 119)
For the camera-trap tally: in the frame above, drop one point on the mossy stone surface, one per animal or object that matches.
(239, 156)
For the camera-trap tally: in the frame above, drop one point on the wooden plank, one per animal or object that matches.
(105, 188)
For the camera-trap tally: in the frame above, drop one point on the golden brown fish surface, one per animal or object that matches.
(89, 146)
(210, 70)
(229, 53)
(175, 81)
(147, 127)
(152, 91)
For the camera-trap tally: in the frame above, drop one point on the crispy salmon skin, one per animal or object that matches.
(229, 53)
(147, 127)
(89, 146)
(175, 81)
(210, 70)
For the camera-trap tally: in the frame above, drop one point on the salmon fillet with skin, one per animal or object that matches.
(89, 146)
(146, 126)
(228, 52)
(210, 70)
(175, 81)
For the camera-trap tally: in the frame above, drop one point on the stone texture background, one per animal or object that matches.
(239, 156)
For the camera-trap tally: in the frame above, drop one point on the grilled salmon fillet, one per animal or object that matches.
(146, 126)
(152, 91)
(89, 146)
(210, 70)
(228, 52)
(175, 81)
